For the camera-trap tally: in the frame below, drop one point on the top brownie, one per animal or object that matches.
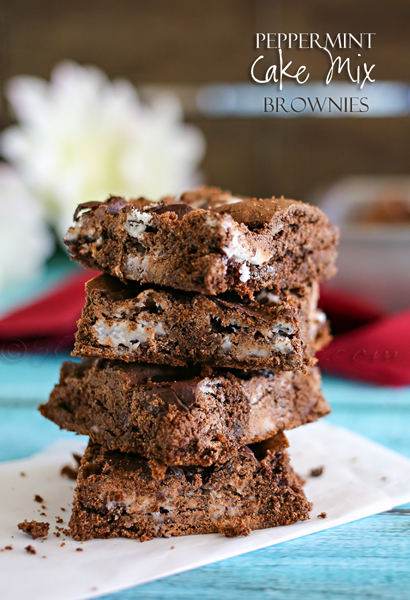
(206, 241)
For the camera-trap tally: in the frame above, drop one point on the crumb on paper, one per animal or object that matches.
(63, 544)
(38, 498)
(35, 528)
(316, 472)
(43, 514)
(44, 507)
(59, 520)
(383, 478)
(57, 533)
(30, 550)
(62, 508)
(172, 547)
(239, 531)
(9, 547)
(23, 474)
(322, 515)
(79, 549)
(69, 472)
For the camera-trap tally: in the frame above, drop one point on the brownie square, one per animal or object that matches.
(176, 416)
(207, 241)
(135, 322)
(117, 496)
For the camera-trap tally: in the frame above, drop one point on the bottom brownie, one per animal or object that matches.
(117, 496)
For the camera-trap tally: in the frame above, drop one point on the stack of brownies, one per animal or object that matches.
(197, 348)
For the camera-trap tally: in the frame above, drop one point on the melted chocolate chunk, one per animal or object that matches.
(243, 309)
(181, 393)
(168, 395)
(115, 204)
(186, 391)
(81, 207)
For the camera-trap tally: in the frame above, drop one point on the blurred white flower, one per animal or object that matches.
(25, 241)
(81, 137)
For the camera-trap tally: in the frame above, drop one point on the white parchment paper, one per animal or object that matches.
(360, 478)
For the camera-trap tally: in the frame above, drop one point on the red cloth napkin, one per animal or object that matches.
(49, 322)
(368, 345)
(377, 353)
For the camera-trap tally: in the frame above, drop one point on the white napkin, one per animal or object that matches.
(360, 478)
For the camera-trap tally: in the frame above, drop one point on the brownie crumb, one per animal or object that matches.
(172, 547)
(322, 515)
(44, 557)
(30, 550)
(241, 530)
(22, 474)
(57, 533)
(79, 549)
(35, 528)
(44, 507)
(62, 508)
(59, 520)
(77, 458)
(62, 530)
(158, 470)
(38, 498)
(316, 472)
(43, 514)
(69, 472)
(63, 544)
(8, 548)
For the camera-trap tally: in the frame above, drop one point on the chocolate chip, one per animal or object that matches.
(114, 205)
(30, 550)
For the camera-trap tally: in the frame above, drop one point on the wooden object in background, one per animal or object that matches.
(184, 42)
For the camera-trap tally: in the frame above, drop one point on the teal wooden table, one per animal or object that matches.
(366, 559)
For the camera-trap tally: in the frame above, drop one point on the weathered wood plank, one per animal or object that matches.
(365, 559)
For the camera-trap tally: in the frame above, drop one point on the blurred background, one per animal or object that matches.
(202, 52)
(153, 97)
(186, 45)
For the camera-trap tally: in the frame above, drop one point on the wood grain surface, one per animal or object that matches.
(367, 559)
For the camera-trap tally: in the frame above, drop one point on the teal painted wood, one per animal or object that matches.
(366, 559)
